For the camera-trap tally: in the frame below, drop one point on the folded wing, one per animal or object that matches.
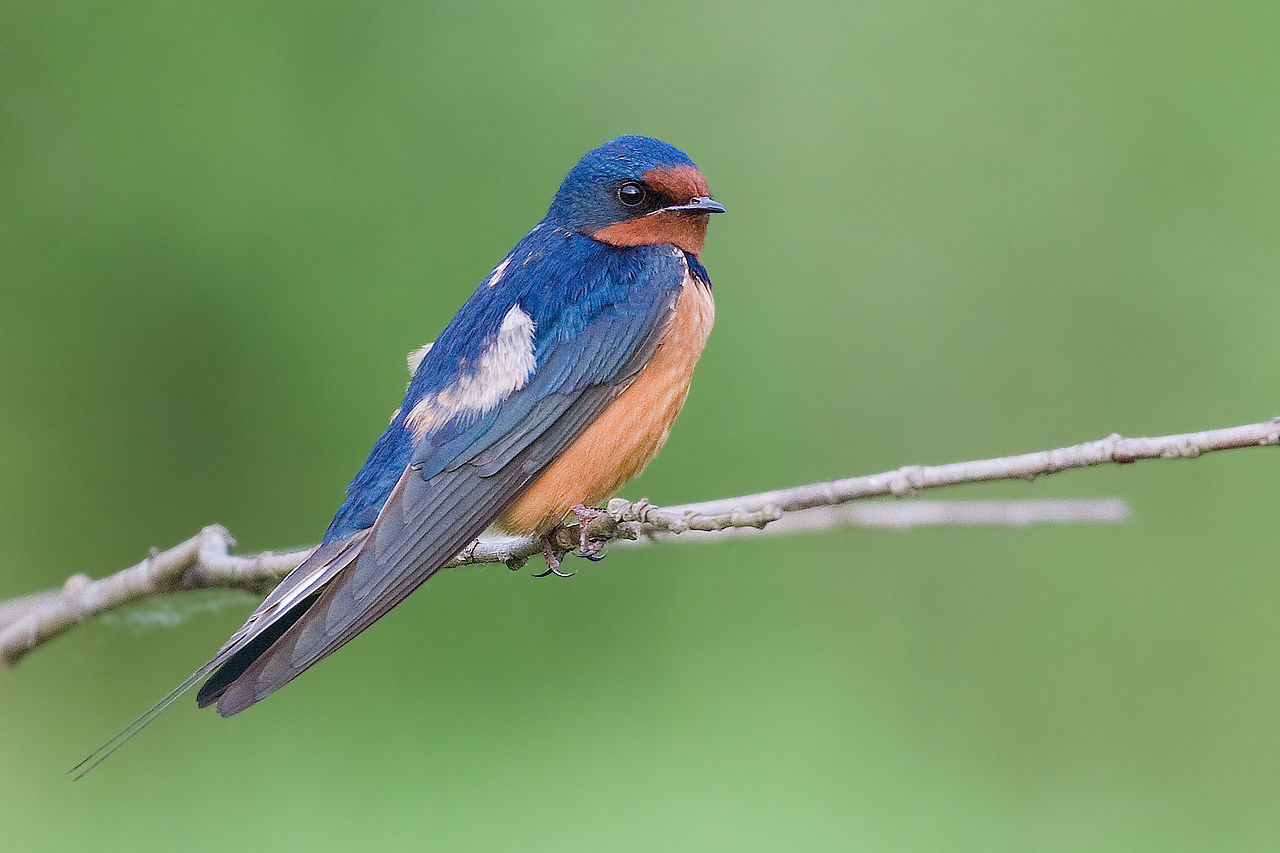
(461, 477)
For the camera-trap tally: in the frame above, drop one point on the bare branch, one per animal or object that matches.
(919, 513)
(204, 561)
(201, 562)
(915, 478)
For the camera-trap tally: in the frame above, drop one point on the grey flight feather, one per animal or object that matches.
(428, 520)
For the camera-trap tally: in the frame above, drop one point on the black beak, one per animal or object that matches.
(700, 204)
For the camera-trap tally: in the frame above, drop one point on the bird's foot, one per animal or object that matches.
(558, 542)
(554, 554)
(589, 546)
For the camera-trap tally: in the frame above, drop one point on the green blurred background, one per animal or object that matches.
(957, 229)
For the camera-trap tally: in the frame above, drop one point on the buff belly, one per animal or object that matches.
(629, 433)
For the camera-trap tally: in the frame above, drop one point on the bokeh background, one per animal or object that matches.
(957, 229)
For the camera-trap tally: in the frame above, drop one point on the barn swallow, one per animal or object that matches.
(555, 383)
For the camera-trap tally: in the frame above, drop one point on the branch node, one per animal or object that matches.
(628, 530)
(76, 584)
(602, 528)
(676, 524)
(906, 481)
(217, 539)
(564, 537)
(1117, 451)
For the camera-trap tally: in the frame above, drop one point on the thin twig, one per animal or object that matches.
(909, 515)
(204, 561)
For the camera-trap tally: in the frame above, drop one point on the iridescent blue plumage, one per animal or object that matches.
(564, 281)
(556, 273)
(558, 379)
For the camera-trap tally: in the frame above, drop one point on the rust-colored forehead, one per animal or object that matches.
(677, 182)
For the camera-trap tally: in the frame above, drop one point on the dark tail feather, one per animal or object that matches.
(235, 666)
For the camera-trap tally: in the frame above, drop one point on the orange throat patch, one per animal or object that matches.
(680, 228)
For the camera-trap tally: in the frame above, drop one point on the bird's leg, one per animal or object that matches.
(588, 546)
(555, 543)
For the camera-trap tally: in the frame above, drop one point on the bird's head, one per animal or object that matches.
(636, 191)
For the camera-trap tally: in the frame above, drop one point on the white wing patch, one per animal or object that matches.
(415, 358)
(496, 275)
(504, 367)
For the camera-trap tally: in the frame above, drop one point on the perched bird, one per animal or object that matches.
(555, 383)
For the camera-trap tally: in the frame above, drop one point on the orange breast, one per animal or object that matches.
(629, 433)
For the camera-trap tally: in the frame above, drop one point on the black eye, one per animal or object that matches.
(631, 194)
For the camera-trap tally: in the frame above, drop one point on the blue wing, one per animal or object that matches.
(597, 313)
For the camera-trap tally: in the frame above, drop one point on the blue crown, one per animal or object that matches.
(584, 201)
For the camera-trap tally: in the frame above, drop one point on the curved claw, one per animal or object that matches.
(554, 571)
(554, 555)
